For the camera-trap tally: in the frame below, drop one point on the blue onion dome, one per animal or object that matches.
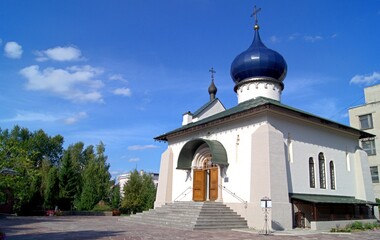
(258, 63)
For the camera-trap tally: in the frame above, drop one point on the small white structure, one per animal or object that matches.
(367, 118)
(311, 168)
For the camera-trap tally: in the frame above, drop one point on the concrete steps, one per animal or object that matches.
(191, 215)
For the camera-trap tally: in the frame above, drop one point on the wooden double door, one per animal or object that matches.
(205, 184)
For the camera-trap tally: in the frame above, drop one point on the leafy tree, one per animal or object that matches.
(41, 146)
(47, 175)
(139, 193)
(14, 154)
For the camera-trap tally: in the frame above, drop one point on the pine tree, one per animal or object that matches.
(51, 191)
(96, 180)
(139, 193)
(68, 180)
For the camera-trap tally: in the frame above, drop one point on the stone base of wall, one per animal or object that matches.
(85, 213)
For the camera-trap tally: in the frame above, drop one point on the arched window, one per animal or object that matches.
(311, 173)
(332, 175)
(322, 171)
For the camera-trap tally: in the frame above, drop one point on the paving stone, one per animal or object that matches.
(116, 228)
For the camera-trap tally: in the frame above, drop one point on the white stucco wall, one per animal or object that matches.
(308, 141)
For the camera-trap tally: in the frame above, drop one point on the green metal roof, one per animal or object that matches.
(258, 104)
(314, 198)
(218, 152)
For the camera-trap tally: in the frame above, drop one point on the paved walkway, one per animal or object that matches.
(118, 228)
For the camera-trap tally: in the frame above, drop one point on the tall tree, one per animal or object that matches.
(51, 191)
(68, 181)
(96, 179)
(15, 154)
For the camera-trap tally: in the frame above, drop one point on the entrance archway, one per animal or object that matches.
(205, 158)
(205, 175)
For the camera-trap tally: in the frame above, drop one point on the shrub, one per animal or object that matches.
(101, 207)
(368, 226)
(357, 225)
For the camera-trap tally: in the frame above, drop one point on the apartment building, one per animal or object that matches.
(366, 117)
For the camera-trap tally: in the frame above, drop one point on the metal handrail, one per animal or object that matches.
(184, 193)
(234, 195)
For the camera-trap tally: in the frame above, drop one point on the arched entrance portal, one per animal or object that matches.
(206, 159)
(205, 175)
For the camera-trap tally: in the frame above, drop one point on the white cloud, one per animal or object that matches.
(308, 38)
(13, 50)
(313, 38)
(133, 159)
(141, 147)
(334, 35)
(60, 54)
(24, 116)
(76, 118)
(366, 80)
(294, 36)
(274, 39)
(117, 77)
(74, 83)
(123, 91)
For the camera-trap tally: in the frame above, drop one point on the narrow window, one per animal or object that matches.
(366, 121)
(375, 174)
(311, 173)
(332, 175)
(322, 171)
(369, 147)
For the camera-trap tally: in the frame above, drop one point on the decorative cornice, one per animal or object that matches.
(259, 79)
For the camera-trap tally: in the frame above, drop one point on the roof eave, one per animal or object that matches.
(276, 107)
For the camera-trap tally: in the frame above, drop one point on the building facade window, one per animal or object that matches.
(322, 171)
(332, 175)
(311, 173)
(375, 174)
(369, 147)
(366, 121)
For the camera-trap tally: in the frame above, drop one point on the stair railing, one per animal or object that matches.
(234, 195)
(183, 194)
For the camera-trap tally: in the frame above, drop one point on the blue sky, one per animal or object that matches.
(123, 71)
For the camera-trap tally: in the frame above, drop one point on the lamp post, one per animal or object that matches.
(266, 205)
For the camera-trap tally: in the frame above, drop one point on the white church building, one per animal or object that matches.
(311, 169)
